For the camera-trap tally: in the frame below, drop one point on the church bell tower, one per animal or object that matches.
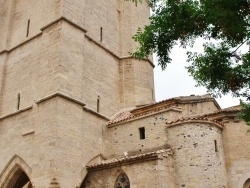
(65, 69)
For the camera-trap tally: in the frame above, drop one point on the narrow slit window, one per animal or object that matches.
(101, 34)
(18, 101)
(98, 104)
(215, 146)
(142, 133)
(28, 28)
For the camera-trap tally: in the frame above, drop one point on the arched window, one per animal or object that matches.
(16, 174)
(122, 181)
(19, 179)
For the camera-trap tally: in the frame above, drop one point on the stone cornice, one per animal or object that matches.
(113, 54)
(64, 19)
(69, 98)
(80, 28)
(143, 59)
(16, 112)
(95, 113)
(41, 32)
(101, 46)
(20, 44)
(49, 97)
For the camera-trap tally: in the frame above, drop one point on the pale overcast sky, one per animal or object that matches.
(175, 80)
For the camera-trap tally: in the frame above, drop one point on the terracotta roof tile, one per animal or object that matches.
(129, 159)
(171, 103)
(121, 117)
(233, 109)
(127, 115)
(192, 119)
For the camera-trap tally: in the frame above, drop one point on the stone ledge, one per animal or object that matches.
(64, 19)
(113, 54)
(101, 46)
(41, 32)
(20, 44)
(16, 112)
(143, 59)
(28, 133)
(95, 113)
(60, 95)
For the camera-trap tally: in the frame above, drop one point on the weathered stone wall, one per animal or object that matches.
(31, 70)
(236, 143)
(98, 22)
(88, 72)
(132, 17)
(63, 57)
(156, 174)
(196, 161)
(136, 83)
(126, 137)
(61, 60)
(54, 70)
(56, 138)
(40, 13)
(5, 11)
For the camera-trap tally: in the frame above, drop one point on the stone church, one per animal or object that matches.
(77, 111)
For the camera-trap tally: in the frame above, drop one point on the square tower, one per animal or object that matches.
(64, 70)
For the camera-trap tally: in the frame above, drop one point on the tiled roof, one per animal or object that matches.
(195, 119)
(180, 99)
(230, 109)
(171, 103)
(120, 116)
(128, 115)
(233, 109)
(129, 159)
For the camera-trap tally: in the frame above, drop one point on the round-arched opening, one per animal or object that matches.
(247, 184)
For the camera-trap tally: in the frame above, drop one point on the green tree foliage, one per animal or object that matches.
(222, 69)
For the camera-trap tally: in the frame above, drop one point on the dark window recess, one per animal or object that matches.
(101, 34)
(98, 104)
(142, 133)
(18, 101)
(122, 181)
(215, 146)
(28, 28)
